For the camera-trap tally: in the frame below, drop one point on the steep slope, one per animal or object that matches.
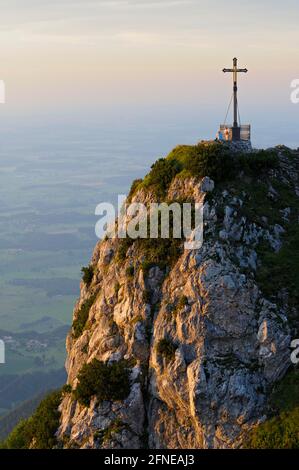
(200, 334)
(176, 348)
(23, 411)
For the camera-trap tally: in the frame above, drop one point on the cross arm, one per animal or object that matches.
(228, 70)
(242, 70)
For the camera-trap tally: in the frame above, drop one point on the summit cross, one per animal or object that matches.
(235, 72)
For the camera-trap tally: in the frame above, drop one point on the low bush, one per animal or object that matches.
(166, 348)
(134, 187)
(88, 273)
(160, 252)
(103, 380)
(106, 435)
(161, 175)
(258, 161)
(82, 317)
(146, 266)
(212, 159)
(66, 389)
(124, 245)
(130, 271)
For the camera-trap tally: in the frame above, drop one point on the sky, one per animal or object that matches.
(140, 59)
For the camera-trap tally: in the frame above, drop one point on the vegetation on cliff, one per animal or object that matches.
(105, 381)
(211, 159)
(88, 272)
(166, 348)
(269, 199)
(281, 430)
(251, 199)
(37, 432)
(82, 316)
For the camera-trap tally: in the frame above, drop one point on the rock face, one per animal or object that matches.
(240, 145)
(229, 343)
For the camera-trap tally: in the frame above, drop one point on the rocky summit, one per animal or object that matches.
(173, 348)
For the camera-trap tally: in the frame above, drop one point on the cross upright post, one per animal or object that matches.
(235, 71)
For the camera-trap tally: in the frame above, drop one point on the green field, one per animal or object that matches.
(49, 189)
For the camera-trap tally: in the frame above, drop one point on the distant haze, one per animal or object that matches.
(151, 61)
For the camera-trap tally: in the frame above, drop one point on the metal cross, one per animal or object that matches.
(235, 72)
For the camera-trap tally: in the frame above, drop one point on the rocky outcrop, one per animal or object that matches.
(228, 343)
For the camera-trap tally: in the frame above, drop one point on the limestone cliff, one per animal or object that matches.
(204, 334)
